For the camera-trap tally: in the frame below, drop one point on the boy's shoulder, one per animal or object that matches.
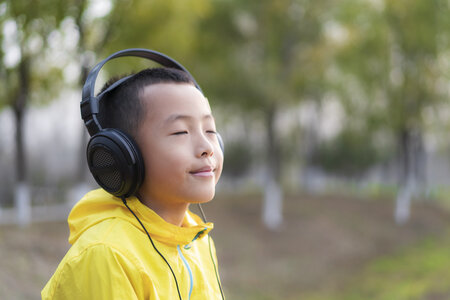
(111, 239)
(113, 233)
(98, 251)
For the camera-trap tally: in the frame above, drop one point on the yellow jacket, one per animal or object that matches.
(112, 258)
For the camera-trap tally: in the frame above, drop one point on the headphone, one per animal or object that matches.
(113, 157)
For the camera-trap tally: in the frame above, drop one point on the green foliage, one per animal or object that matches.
(385, 67)
(171, 27)
(277, 44)
(350, 153)
(388, 65)
(29, 40)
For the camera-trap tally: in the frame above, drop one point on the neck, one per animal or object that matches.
(173, 213)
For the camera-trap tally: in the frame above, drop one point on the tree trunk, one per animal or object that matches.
(409, 141)
(309, 176)
(273, 197)
(82, 166)
(22, 198)
(420, 166)
(81, 187)
(84, 70)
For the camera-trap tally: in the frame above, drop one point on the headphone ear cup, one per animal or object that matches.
(115, 162)
(222, 146)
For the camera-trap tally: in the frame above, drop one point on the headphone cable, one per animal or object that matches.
(210, 252)
(215, 268)
(124, 200)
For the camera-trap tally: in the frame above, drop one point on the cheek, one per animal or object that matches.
(219, 159)
(164, 163)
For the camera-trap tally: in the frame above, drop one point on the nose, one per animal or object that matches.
(204, 147)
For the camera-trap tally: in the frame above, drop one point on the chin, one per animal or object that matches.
(202, 197)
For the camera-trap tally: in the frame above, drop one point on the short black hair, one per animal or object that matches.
(122, 108)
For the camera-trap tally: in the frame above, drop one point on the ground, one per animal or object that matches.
(326, 246)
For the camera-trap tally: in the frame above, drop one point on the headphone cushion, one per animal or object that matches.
(221, 144)
(115, 162)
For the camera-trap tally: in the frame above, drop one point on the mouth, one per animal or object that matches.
(203, 172)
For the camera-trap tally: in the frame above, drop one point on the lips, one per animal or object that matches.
(206, 171)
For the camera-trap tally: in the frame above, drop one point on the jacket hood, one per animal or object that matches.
(98, 205)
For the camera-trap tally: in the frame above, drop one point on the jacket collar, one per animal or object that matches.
(98, 205)
(192, 228)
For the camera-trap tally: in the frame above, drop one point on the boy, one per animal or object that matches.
(111, 256)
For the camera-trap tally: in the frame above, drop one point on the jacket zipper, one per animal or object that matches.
(189, 271)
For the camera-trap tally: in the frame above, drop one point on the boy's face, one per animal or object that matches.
(182, 156)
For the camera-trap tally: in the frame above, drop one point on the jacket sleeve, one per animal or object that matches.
(99, 272)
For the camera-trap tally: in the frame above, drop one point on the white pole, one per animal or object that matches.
(23, 204)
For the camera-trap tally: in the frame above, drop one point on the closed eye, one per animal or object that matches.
(211, 131)
(180, 133)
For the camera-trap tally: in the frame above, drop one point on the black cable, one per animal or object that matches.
(215, 268)
(124, 200)
(210, 252)
(203, 214)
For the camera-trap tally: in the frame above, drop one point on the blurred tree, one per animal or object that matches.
(350, 154)
(390, 59)
(26, 31)
(95, 28)
(414, 60)
(264, 56)
(238, 159)
(169, 26)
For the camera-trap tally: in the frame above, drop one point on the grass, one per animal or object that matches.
(419, 272)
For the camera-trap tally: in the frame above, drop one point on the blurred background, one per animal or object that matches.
(334, 115)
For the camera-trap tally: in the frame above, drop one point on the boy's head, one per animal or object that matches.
(123, 108)
(171, 122)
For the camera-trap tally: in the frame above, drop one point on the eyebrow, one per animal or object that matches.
(176, 117)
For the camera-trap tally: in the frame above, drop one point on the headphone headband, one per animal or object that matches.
(90, 104)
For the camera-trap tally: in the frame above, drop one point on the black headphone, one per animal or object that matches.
(113, 157)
